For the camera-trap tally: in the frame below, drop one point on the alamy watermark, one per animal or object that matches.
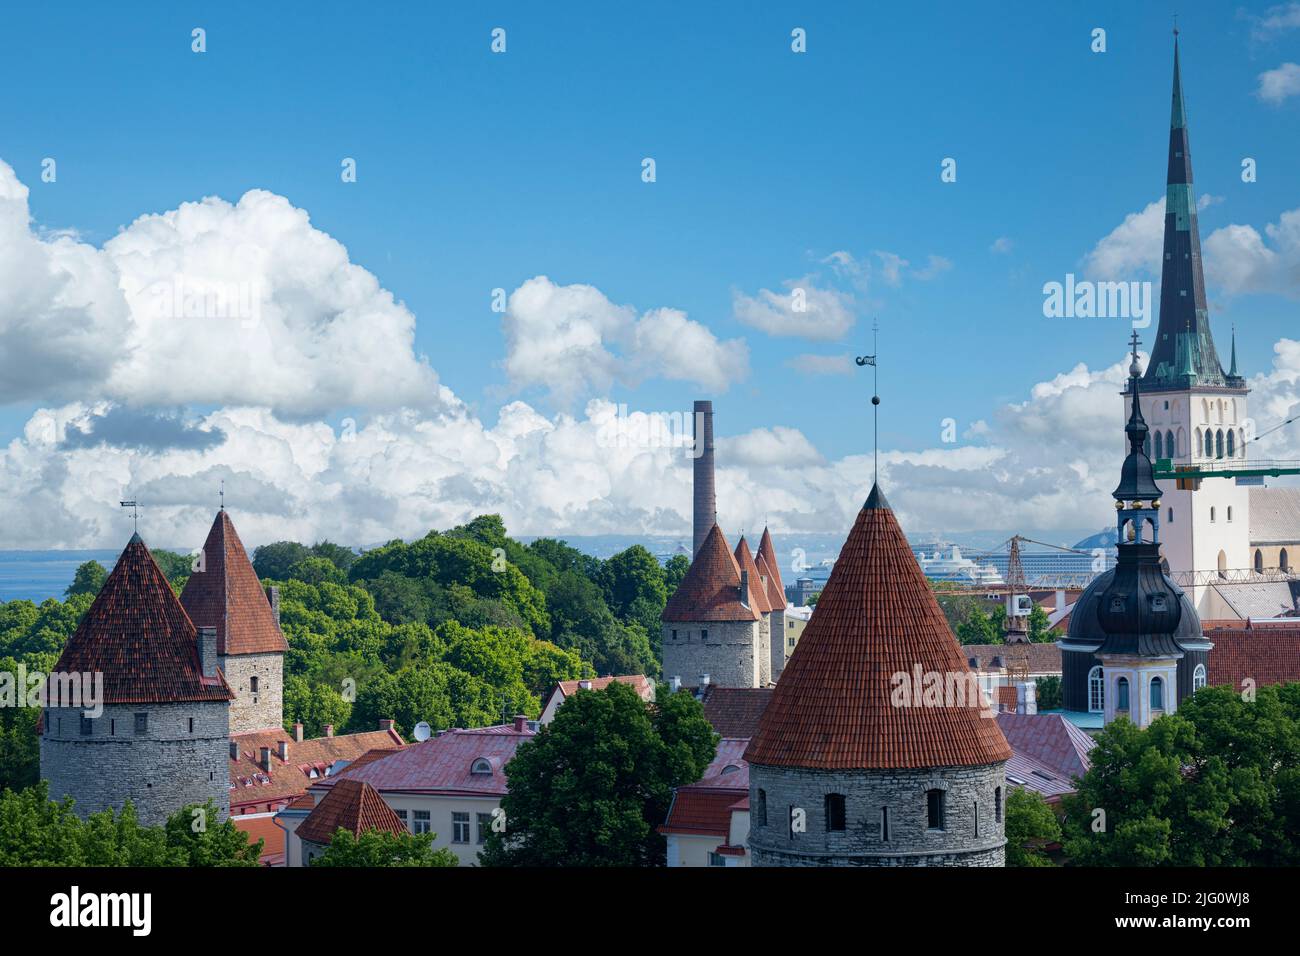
(24, 688)
(1085, 299)
(652, 430)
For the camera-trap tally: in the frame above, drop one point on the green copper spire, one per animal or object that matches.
(1232, 372)
(1178, 115)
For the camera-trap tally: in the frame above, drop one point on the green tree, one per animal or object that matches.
(315, 706)
(674, 571)
(341, 557)
(274, 561)
(1040, 627)
(380, 848)
(35, 831)
(593, 786)
(1048, 692)
(1030, 824)
(198, 839)
(634, 588)
(317, 570)
(979, 628)
(175, 567)
(88, 579)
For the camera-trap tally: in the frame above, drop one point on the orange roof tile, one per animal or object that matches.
(757, 579)
(710, 591)
(767, 556)
(353, 805)
(1265, 655)
(252, 787)
(264, 829)
(227, 595)
(876, 617)
(139, 637)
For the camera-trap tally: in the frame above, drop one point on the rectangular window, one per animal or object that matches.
(141, 724)
(717, 859)
(934, 809)
(421, 822)
(975, 811)
(460, 828)
(191, 725)
(997, 804)
(835, 813)
(884, 824)
(484, 826)
(704, 635)
(403, 816)
(87, 727)
(112, 728)
(252, 684)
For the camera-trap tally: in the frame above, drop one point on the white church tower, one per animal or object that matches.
(1196, 412)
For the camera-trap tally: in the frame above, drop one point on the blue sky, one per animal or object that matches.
(478, 171)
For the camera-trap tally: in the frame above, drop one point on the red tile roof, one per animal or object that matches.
(1043, 658)
(353, 805)
(252, 788)
(735, 711)
(139, 637)
(639, 682)
(444, 764)
(696, 811)
(1266, 654)
(227, 595)
(1007, 698)
(264, 828)
(728, 769)
(770, 564)
(710, 591)
(757, 579)
(876, 617)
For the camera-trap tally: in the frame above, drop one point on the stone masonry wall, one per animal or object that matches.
(764, 649)
(730, 655)
(776, 644)
(911, 842)
(265, 709)
(162, 770)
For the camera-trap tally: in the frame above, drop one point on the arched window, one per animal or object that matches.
(835, 815)
(1223, 565)
(934, 809)
(1232, 443)
(1283, 561)
(1157, 693)
(997, 804)
(1259, 560)
(1209, 443)
(1218, 443)
(760, 810)
(1121, 694)
(1096, 691)
(1241, 442)
(481, 766)
(1171, 450)
(1212, 514)
(1198, 678)
(1160, 445)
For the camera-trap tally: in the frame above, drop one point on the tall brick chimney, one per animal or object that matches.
(705, 494)
(297, 731)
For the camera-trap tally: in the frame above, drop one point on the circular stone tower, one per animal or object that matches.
(878, 748)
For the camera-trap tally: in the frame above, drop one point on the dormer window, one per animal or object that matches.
(1117, 605)
(1158, 602)
(481, 766)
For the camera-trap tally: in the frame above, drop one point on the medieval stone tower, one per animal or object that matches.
(853, 765)
(712, 625)
(768, 565)
(161, 736)
(224, 593)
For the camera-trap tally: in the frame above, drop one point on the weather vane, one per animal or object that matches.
(222, 494)
(135, 512)
(875, 400)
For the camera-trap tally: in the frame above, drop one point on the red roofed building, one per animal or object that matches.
(137, 707)
(1254, 655)
(565, 689)
(223, 592)
(769, 565)
(759, 582)
(713, 624)
(352, 805)
(708, 821)
(920, 774)
(451, 785)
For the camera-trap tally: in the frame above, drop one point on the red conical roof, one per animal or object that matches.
(757, 579)
(767, 561)
(710, 591)
(139, 637)
(353, 805)
(833, 709)
(227, 595)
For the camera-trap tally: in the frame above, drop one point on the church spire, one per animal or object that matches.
(1183, 354)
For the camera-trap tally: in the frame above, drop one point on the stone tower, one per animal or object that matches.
(858, 760)
(161, 735)
(704, 492)
(711, 624)
(770, 566)
(224, 593)
(759, 597)
(1196, 411)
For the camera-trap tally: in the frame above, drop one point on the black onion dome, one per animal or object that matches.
(1140, 610)
(1085, 626)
